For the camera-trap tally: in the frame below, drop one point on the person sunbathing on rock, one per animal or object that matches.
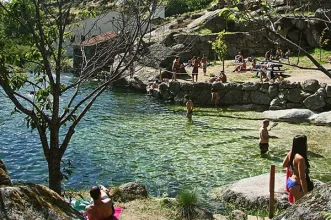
(102, 207)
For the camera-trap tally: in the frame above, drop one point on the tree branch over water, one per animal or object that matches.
(42, 31)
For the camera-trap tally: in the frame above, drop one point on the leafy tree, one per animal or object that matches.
(266, 20)
(219, 46)
(42, 29)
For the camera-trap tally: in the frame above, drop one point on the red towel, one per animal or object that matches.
(116, 215)
(290, 196)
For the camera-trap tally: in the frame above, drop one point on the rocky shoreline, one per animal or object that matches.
(27, 200)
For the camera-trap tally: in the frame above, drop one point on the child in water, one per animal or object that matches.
(215, 98)
(264, 137)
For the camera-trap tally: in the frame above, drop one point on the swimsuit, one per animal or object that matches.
(290, 183)
(189, 114)
(204, 65)
(263, 147)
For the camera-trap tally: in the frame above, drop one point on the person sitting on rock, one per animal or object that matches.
(222, 77)
(102, 207)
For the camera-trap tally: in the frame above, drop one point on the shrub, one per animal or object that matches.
(187, 203)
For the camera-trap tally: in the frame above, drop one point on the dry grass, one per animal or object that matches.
(147, 209)
(292, 74)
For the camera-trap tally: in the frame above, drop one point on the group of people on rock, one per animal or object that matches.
(296, 161)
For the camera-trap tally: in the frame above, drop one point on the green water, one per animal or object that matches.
(133, 137)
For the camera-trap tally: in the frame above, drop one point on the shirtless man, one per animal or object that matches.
(189, 107)
(175, 68)
(264, 137)
(204, 62)
(102, 207)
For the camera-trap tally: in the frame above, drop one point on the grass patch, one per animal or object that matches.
(262, 212)
(187, 203)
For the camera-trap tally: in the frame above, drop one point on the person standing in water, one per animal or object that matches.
(189, 107)
(264, 137)
(215, 98)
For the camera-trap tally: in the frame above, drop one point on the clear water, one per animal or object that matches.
(133, 137)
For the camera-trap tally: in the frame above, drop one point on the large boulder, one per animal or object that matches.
(34, 201)
(232, 97)
(295, 95)
(4, 177)
(315, 205)
(310, 85)
(251, 86)
(322, 118)
(129, 191)
(260, 98)
(328, 91)
(289, 114)
(253, 192)
(314, 102)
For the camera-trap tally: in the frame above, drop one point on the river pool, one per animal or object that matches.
(133, 137)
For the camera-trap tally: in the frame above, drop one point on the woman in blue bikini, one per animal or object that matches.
(298, 162)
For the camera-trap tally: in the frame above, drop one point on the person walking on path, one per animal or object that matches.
(204, 62)
(189, 107)
(195, 71)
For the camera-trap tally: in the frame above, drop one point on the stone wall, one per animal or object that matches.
(284, 95)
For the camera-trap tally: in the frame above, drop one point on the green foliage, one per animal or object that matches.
(182, 6)
(229, 14)
(187, 203)
(219, 46)
(325, 41)
(326, 215)
(205, 31)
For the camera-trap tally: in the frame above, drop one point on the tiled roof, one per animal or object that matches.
(99, 39)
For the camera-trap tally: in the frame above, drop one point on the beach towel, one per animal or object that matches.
(117, 213)
(290, 196)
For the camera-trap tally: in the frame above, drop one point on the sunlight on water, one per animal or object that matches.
(132, 137)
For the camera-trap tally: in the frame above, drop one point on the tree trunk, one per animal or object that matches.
(223, 63)
(54, 171)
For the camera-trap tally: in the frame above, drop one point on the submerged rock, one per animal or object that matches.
(316, 205)
(34, 201)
